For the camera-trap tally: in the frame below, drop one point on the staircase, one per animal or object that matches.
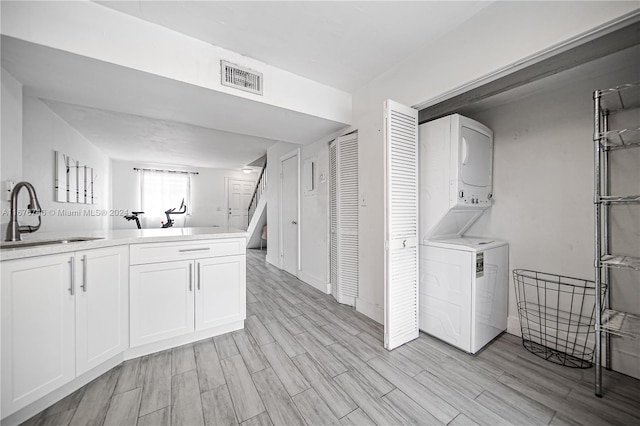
(257, 211)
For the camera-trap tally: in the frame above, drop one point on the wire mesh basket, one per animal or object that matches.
(557, 316)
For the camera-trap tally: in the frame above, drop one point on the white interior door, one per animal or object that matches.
(289, 215)
(239, 194)
(401, 225)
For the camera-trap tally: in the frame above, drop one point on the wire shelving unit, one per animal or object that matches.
(609, 321)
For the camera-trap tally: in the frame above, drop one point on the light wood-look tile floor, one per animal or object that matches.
(304, 359)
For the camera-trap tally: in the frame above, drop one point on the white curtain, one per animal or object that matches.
(162, 191)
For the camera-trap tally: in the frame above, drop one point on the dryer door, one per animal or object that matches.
(476, 156)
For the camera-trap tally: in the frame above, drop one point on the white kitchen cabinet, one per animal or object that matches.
(67, 318)
(62, 315)
(38, 328)
(220, 291)
(102, 305)
(161, 301)
(181, 289)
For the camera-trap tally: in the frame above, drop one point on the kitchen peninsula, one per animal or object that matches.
(76, 306)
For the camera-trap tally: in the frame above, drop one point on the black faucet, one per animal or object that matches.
(14, 229)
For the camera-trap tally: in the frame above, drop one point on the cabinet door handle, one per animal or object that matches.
(198, 275)
(191, 277)
(72, 289)
(194, 249)
(84, 273)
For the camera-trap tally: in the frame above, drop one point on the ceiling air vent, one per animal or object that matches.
(241, 78)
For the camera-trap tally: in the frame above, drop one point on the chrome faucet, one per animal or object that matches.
(13, 228)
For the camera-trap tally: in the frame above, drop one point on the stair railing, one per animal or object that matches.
(257, 193)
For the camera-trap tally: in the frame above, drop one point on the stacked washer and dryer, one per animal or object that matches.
(463, 279)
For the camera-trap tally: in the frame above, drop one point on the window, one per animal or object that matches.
(162, 191)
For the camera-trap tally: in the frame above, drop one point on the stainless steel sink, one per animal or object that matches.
(24, 244)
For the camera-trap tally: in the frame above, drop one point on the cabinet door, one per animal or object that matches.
(220, 291)
(102, 297)
(161, 301)
(38, 328)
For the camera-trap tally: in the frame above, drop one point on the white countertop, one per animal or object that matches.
(107, 238)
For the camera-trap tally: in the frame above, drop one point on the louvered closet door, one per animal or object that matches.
(347, 215)
(333, 219)
(343, 192)
(401, 225)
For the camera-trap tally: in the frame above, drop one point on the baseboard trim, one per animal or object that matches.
(270, 262)
(513, 325)
(314, 282)
(371, 310)
(162, 345)
(345, 300)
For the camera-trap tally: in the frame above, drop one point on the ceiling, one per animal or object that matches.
(133, 115)
(126, 136)
(81, 89)
(343, 44)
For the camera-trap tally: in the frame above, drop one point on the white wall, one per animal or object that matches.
(499, 36)
(43, 134)
(314, 211)
(208, 189)
(11, 139)
(314, 219)
(543, 185)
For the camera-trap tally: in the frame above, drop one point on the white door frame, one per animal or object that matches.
(328, 212)
(226, 196)
(285, 157)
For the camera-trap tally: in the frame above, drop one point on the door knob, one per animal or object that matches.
(294, 222)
